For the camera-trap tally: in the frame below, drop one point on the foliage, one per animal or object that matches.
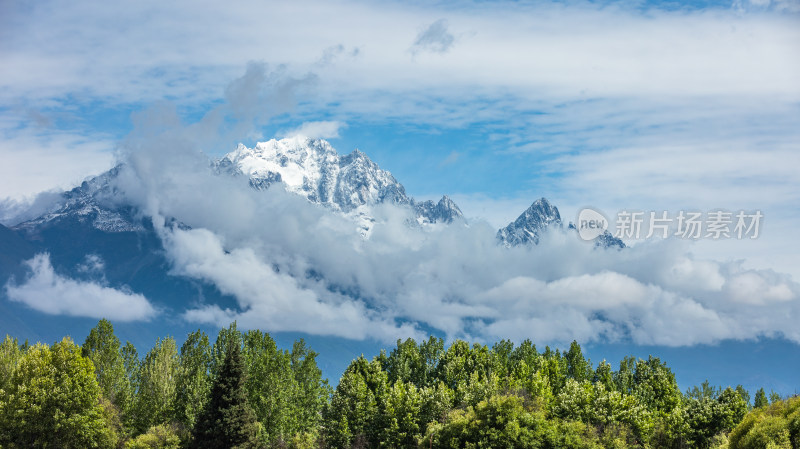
(194, 382)
(774, 426)
(354, 409)
(502, 421)
(713, 414)
(10, 355)
(156, 378)
(156, 437)
(244, 391)
(228, 421)
(53, 400)
(102, 347)
(760, 399)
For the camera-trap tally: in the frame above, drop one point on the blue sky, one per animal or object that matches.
(615, 105)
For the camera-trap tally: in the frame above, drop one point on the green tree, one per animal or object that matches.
(624, 377)
(228, 422)
(102, 347)
(503, 421)
(432, 350)
(760, 399)
(156, 437)
(745, 395)
(436, 402)
(399, 416)
(53, 400)
(655, 385)
(194, 382)
(526, 352)
(157, 375)
(578, 367)
(311, 390)
(710, 416)
(226, 336)
(132, 366)
(406, 363)
(502, 361)
(536, 385)
(773, 426)
(554, 369)
(604, 375)
(461, 366)
(10, 355)
(270, 384)
(354, 409)
(593, 404)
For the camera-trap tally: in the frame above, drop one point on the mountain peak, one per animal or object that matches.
(314, 169)
(445, 211)
(529, 226)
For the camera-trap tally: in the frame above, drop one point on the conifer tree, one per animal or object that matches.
(228, 422)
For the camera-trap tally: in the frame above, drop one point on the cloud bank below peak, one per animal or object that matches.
(292, 265)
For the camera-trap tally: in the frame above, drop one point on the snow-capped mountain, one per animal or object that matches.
(95, 221)
(91, 202)
(307, 167)
(540, 217)
(312, 168)
(528, 227)
(349, 184)
(445, 211)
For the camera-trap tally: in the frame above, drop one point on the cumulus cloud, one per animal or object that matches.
(268, 298)
(292, 265)
(47, 291)
(325, 129)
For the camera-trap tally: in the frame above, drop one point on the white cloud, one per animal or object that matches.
(294, 266)
(701, 104)
(35, 160)
(325, 129)
(576, 50)
(46, 291)
(268, 299)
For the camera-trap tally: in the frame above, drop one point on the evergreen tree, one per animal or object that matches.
(228, 422)
(761, 399)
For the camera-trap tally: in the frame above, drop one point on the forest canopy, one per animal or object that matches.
(243, 391)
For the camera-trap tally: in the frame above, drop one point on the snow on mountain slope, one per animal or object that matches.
(314, 169)
(528, 227)
(91, 203)
(351, 184)
(540, 217)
